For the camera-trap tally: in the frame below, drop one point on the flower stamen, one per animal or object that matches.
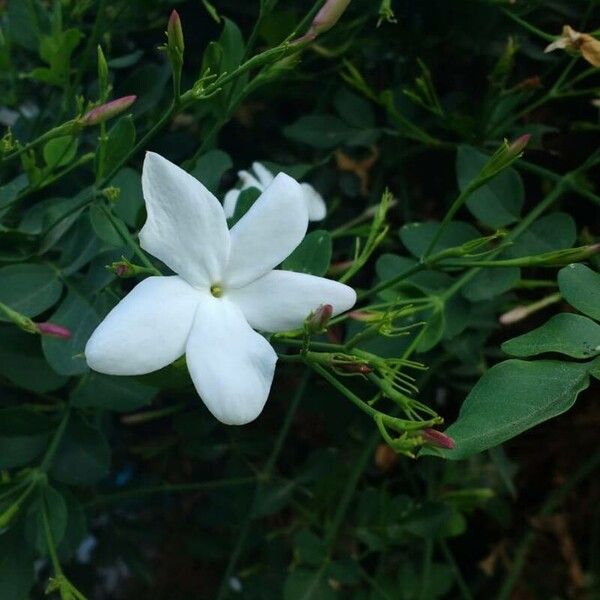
(216, 290)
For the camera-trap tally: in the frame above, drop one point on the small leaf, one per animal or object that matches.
(121, 139)
(60, 151)
(497, 203)
(491, 282)
(312, 256)
(510, 398)
(580, 287)
(573, 335)
(131, 198)
(244, 203)
(416, 237)
(29, 288)
(24, 435)
(54, 505)
(549, 233)
(104, 228)
(83, 457)
(120, 394)
(78, 315)
(211, 167)
(22, 362)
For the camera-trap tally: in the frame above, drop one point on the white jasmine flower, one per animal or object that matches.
(260, 179)
(225, 287)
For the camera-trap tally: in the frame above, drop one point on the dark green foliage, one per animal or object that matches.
(311, 501)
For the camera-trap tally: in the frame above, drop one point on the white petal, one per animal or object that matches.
(186, 226)
(230, 202)
(268, 232)
(248, 180)
(147, 330)
(264, 175)
(317, 209)
(231, 365)
(281, 300)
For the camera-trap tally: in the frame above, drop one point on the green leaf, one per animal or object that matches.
(552, 232)
(327, 132)
(312, 256)
(211, 167)
(491, 282)
(416, 237)
(121, 394)
(76, 525)
(56, 512)
(580, 287)
(435, 520)
(131, 198)
(83, 457)
(573, 335)
(353, 109)
(309, 549)
(59, 152)
(16, 564)
(104, 228)
(497, 203)
(305, 584)
(510, 398)
(22, 362)
(121, 139)
(65, 356)
(244, 203)
(24, 435)
(29, 288)
(24, 25)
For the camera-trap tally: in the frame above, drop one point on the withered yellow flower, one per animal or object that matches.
(584, 43)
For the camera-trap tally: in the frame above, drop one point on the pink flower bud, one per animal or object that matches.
(325, 19)
(121, 269)
(175, 32)
(437, 438)
(328, 16)
(107, 111)
(54, 330)
(519, 144)
(319, 319)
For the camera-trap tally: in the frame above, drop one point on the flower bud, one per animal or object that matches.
(360, 368)
(175, 34)
(106, 111)
(325, 19)
(317, 321)
(515, 148)
(328, 16)
(54, 330)
(437, 438)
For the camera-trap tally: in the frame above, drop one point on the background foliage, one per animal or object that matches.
(127, 485)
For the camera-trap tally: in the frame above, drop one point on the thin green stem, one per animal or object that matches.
(55, 442)
(170, 488)
(458, 576)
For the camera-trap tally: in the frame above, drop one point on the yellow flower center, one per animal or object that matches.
(216, 290)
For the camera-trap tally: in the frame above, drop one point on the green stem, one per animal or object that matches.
(541, 34)
(127, 237)
(458, 577)
(55, 442)
(168, 488)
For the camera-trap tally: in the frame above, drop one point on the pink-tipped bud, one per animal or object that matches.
(175, 32)
(518, 145)
(121, 269)
(107, 111)
(54, 330)
(328, 16)
(318, 320)
(437, 438)
(325, 19)
(360, 315)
